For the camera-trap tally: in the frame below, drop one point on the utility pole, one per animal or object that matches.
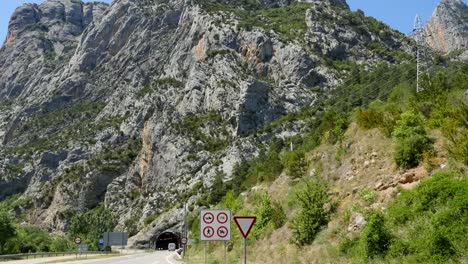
(185, 230)
(421, 56)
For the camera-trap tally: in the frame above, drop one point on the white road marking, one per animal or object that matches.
(168, 260)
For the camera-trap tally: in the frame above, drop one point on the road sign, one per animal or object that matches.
(101, 242)
(82, 247)
(183, 240)
(115, 238)
(215, 225)
(245, 224)
(77, 240)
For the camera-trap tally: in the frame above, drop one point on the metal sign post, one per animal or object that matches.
(245, 250)
(206, 252)
(225, 252)
(245, 224)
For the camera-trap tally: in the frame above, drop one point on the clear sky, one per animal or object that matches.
(399, 14)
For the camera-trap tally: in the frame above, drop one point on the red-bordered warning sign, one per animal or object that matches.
(245, 224)
(208, 232)
(208, 218)
(215, 225)
(222, 217)
(222, 232)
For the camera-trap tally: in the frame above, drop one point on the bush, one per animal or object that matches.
(218, 190)
(368, 118)
(7, 230)
(430, 220)
(270, 216)
(295, 163)
(410, 140)
(267, 167)
(92, 224)
(311, 198)
(456, 131)
(346, 245)
(150, 218)
(376, 238)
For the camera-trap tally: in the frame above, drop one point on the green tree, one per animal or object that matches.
(90, 225)
(410, 140)
(311, 198)
(218, 190)
(7, 229)
(376, 238)
(295, 163)
(270, 215)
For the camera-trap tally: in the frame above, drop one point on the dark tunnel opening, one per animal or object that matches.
(163, 241)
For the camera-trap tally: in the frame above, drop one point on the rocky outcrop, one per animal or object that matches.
(141, 104)
(447, 29)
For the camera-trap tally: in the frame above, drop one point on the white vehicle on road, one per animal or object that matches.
(171, 246)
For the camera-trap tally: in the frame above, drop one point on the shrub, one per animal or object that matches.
(410, 140)
(368, 118)
(346, 245)
(295, 163)
(7, 230)
(91, 224)
(131, 225)
(150, 218)
(456, 131)
(431, 220)
(376, 238)
(218, 190)
(267, 167)
(311, 198)
(270, 216)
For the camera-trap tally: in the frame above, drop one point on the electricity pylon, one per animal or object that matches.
(421, 52)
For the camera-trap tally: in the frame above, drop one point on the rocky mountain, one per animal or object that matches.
(447, 28)
(140, 105)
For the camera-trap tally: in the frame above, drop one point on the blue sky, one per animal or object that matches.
(399, 14)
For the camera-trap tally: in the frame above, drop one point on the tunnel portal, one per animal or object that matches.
(163, 240)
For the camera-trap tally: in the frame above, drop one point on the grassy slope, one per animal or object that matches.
(363, 178)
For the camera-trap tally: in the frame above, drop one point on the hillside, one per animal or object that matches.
(114, 117)
(369, 194)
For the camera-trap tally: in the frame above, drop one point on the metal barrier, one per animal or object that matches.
(51, 254)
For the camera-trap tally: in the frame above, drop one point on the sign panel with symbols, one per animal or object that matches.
(215, 225)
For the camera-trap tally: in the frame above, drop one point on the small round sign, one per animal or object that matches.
(77, 240)
(208, 231)
(184, 240)
(208, 218)
(222, 232)
(222, 218)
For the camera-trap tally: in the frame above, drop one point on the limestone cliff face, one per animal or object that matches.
(136, 103)
(447, 29)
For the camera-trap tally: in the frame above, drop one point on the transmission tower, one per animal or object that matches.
(421, 52)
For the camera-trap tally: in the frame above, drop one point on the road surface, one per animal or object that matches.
(158, 257)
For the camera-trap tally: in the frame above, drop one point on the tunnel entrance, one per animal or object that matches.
(163, 240)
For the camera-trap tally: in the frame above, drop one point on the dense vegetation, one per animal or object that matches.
(19, 238)
(385, 99)
(425, 225)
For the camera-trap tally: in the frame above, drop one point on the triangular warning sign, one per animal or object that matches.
(245, 224)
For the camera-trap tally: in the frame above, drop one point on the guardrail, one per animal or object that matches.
(50, 254)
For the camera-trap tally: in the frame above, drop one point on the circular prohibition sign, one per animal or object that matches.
(222, 232)
(208, 218)
(222, 218)
(208, 232)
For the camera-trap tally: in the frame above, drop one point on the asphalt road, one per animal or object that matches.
(158, 257)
